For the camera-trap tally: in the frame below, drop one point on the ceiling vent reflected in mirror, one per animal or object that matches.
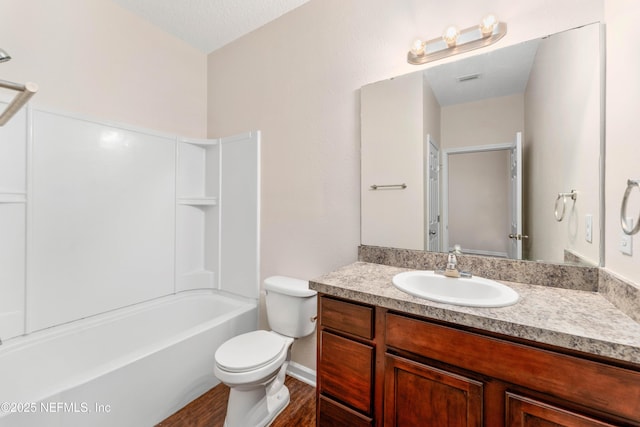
(468, 77)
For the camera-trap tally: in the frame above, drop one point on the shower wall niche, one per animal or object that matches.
(218, 214)
(197, 213)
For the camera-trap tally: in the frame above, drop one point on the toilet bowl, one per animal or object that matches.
(251, 357)
(254, 364)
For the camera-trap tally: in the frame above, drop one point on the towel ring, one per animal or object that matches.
(623, 209)
(563, 196)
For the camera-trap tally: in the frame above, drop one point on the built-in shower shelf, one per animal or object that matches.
(200, 142)
(198, 201)
(13, 198)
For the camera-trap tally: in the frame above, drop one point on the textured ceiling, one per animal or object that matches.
(209, 24)
(500, 72)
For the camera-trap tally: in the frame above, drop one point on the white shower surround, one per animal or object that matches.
(124, 269)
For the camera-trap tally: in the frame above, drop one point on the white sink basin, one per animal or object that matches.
(471, 292)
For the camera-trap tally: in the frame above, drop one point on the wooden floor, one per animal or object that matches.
(209, 409)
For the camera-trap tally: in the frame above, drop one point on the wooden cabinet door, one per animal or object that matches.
(346, 371)
(420, 395)
(526, 412)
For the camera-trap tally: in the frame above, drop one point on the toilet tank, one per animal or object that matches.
(291, 306)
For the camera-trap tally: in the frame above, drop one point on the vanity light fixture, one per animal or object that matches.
(450, 36)
(454, 41)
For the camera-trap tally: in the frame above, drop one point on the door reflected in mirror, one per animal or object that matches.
(450, 132)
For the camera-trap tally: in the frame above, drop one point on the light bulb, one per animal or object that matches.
(488, 24)
(450, 36)
(417, 47)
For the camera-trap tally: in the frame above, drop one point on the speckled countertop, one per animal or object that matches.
(574, 319)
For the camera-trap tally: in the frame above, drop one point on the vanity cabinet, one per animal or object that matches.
(404, 370)
(346, 363)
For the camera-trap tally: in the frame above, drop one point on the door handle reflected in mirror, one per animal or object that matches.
(518, 236)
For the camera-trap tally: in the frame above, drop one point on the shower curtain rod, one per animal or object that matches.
(26, 90)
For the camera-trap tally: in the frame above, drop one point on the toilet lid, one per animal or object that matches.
(249, 351)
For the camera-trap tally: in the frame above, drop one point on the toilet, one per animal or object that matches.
(254, 364)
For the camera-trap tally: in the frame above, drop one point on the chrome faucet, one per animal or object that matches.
(452, 266)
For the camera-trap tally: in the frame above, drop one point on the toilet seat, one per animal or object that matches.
(250, 351)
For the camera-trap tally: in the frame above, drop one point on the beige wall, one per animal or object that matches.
(486, 122)
(392, 125)
(94, 58)
(432, 113)
(561, 144)
(298, 79)
(623, 104)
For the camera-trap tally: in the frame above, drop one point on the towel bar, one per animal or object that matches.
(26, 91)
(401, 186)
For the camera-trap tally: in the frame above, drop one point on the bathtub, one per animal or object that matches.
(131, 367)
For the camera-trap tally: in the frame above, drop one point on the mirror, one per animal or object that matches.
(483, 153)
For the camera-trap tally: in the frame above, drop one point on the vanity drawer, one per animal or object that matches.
(334, 414)
(346, 371)
(523, 411)
(347, 317)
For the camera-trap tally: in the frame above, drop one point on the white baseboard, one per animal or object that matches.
(302, 373)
